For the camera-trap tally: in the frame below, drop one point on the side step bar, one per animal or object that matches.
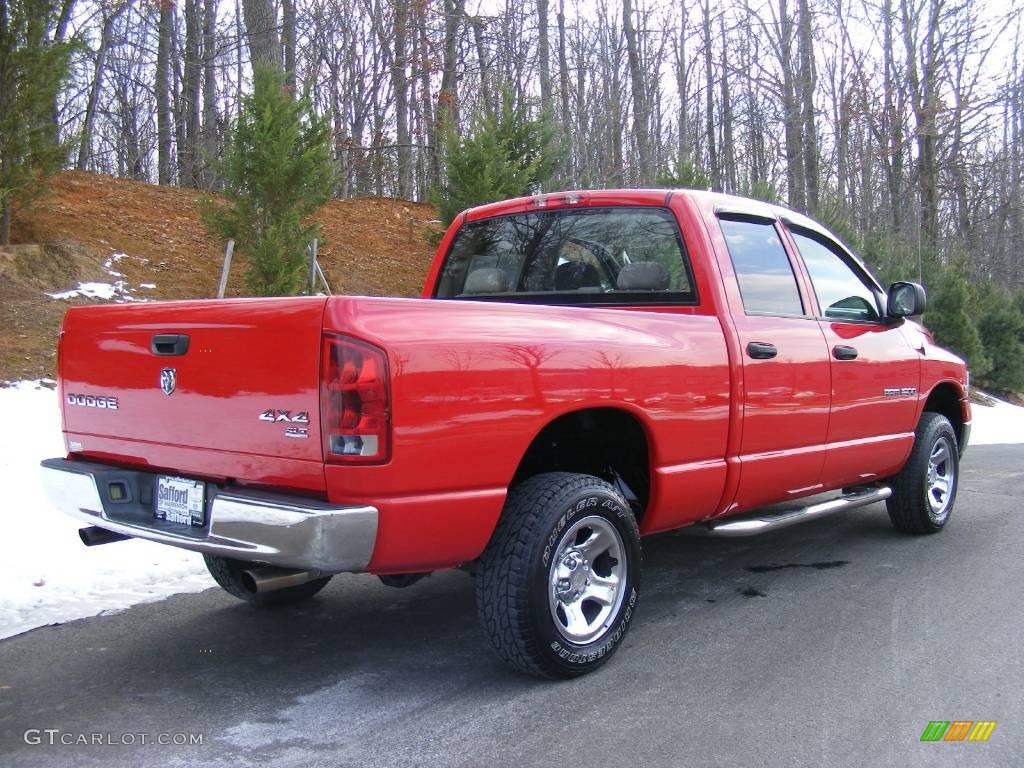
(773, 521)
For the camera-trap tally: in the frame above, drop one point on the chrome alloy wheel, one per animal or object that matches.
(586, 580)
(941, 478)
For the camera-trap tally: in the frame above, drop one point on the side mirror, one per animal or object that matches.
(906, 300)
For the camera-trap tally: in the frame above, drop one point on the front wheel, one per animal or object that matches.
(925, 489)
(557, 584)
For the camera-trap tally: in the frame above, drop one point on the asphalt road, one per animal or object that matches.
(831, 643)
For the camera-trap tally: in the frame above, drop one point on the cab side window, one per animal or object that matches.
(765, 276)
(842, 294)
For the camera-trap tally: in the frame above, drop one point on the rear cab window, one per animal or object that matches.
(765, 275)
(587, 256)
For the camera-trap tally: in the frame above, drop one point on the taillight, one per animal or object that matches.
(355, 401)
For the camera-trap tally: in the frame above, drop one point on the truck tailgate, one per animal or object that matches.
(239, 377)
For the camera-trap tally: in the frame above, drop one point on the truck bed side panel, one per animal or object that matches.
(474, 383)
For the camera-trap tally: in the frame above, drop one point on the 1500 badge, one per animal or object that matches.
(900, 391)
(275, 416)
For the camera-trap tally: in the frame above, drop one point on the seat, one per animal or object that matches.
(488, 280)
(643, 276)
(574, 275)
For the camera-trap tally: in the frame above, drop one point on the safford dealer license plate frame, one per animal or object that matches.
(180, 500)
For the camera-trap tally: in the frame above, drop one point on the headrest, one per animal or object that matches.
(489, 280)
(574, 275)
(643, 276)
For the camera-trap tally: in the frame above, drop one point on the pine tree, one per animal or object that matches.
(1001, 328)
(682, 175)
(506, 153)
(32, 72)
(949, 318)
(278, 172)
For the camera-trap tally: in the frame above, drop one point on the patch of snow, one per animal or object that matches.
(104, 291)
(47, 576)
(998, 423)
(118, 290)
(149, 286)
(110, 262)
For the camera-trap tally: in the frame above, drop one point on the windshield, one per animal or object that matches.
(577, 256)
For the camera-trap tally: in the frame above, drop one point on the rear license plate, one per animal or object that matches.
(179, 500)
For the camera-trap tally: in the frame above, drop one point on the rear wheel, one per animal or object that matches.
(925, 489)
(557, 585)
(228, 574)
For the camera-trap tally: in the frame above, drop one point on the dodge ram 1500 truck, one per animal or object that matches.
(583, 368)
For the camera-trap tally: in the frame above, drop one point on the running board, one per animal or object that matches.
(773, 521)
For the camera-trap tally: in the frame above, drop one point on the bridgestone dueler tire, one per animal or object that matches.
(516, 570)
(228, 574)
(909, 507)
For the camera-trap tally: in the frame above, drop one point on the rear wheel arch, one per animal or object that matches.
(611, 443)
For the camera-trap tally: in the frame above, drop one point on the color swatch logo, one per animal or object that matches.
(958, 730)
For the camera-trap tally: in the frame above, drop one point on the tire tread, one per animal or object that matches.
(503, 580)
(907, 507)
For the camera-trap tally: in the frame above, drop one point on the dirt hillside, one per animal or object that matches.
(74, 238)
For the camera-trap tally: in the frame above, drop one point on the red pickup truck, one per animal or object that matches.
(583, 368)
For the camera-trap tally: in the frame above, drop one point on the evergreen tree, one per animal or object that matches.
(1001, 328)
(506, 153)
(32, 72)
(683, 175)
(949, 318)
(278, 172)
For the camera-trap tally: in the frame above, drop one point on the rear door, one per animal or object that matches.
(875, 371)
(786, 377)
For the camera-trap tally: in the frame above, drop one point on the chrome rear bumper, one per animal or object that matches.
(287, 531)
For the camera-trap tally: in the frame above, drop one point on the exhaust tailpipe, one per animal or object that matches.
(268, 578)
(93, 536)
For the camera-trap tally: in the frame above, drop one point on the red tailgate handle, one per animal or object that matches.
(169, 344)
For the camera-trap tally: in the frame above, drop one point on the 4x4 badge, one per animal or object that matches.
(168, 380)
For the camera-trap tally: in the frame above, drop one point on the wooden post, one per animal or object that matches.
(227, 268)
(320, 272)
(312, 266)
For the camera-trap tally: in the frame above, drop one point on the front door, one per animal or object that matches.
(875, 371)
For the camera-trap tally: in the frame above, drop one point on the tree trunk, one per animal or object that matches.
(641, 114)
(714, 169)
(89, 121)
(683, 145)
(164, 118)
(893, 166)
(544, 57)
(209, 131)
(288, 41)
(261, 31)
(808, 82)
(400, 84)
(563, 87)
(486, 94)
(792, 115)
(188, 116)
(728, 145)
(423, 105)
